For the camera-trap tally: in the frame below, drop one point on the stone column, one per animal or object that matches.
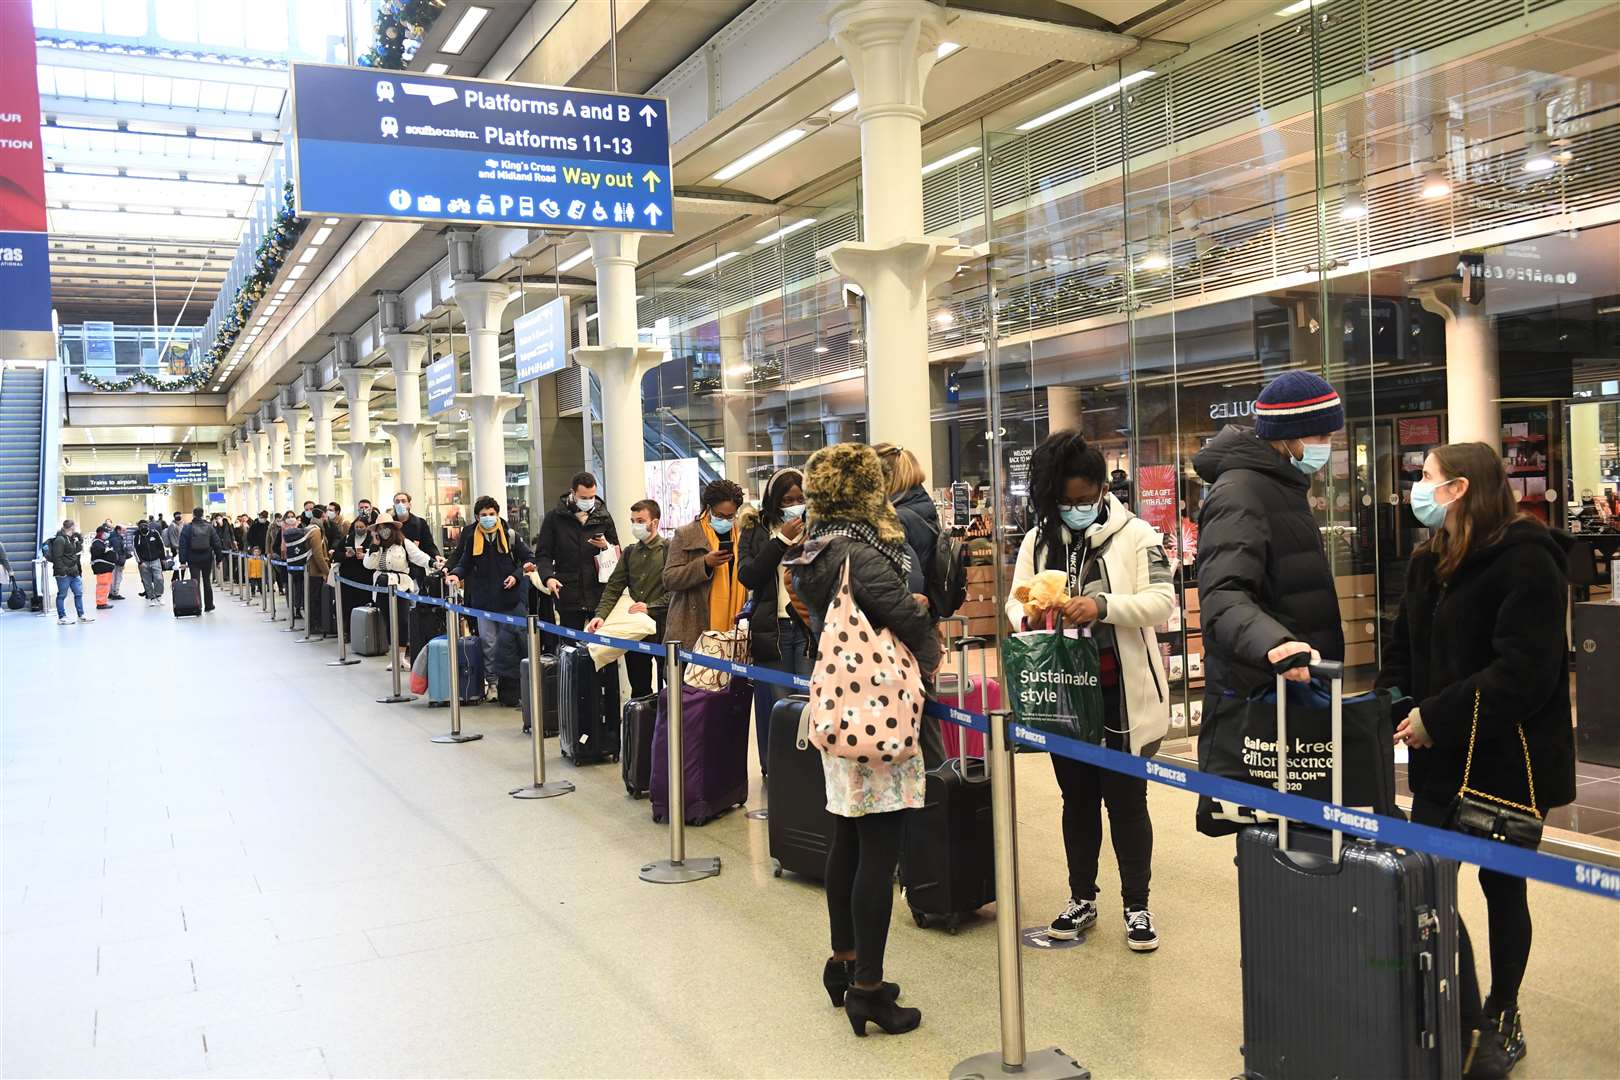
(1473, 372)
(278, 461)
(297, 420)
(1062, 408)
(266, 486)
(322, 405)
(357, 384)
(737, 395)
(481, 304)
(410, 431)
(890, 46)
(777, 429)
(619, 362)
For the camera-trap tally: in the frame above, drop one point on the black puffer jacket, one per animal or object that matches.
(1497, 627)
(1263, 575)
(877, 584)
(920, 518)
(562, 551)
(759, 568)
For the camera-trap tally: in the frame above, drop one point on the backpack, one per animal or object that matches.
(18, 598)
(202, 538)
(945, 575)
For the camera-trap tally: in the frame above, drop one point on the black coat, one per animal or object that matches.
(759, 566)
(256, 531)
(1263, 574)
(562, 551)
(104, 556)
(484, 575)
(920, 518)
(149, 546)
(1497, 627)
(877, 584)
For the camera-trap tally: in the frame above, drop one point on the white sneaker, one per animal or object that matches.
(65, 620)
(87, 618)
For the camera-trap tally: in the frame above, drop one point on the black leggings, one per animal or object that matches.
(1507, 910)
(860, 887)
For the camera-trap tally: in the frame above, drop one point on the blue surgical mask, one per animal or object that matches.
(487, 520)
(1079, 518)
(585, 505)
(1316, 456)
(793, 513)
(721, 526)
(1429, 512)
(401, 509)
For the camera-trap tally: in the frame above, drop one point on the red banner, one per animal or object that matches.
(1156, 497)
(22, 163)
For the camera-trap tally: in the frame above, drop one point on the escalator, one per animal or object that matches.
(22, 414)
(666, 436)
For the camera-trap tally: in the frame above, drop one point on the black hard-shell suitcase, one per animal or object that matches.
(589, 730)
(799, 827)
(548, 689)
(1349, 956)
(948, 858)
(187, 596)
(636, 741)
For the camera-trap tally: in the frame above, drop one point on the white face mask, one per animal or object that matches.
(639, 531)
(793, 513)
(585, 505)
(401, 509)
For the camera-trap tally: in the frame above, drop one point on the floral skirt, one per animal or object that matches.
(855, 790)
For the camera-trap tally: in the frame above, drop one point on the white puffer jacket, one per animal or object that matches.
(395, 563)
(1135, 594)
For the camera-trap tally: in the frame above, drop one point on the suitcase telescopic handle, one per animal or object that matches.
(1333, 672)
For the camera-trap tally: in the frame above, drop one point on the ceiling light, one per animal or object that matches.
(710, 265)
(437, 69)
(1353, 207)
(296, 272)
(465, 28)
(769, 148)
(309, 254)
(331, 221)
(944, 317)
(1295, 8)
(945, 49)
(1153, 260)
(786, 230)
(1538, 156)
(844, 104)
(1436, 184)
(573, 260)
(1079, 103)
(822, 349)
(321, 236)
(950, 159)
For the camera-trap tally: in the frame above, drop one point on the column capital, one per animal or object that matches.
(622, 248)
(481, 303)
(890, 46)
(640, 358)
(920, 262)
(405, 351)
(357, 381)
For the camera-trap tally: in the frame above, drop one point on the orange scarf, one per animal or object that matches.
(726, 593)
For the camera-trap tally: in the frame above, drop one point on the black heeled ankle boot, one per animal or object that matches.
(837, 976)
(870, 1006)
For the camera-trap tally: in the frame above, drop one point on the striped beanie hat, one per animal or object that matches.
(1296, 404)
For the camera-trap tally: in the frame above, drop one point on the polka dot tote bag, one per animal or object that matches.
(866, 691)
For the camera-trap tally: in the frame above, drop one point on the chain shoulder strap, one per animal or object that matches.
(1468, 768)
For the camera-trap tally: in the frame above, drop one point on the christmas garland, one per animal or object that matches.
(268, 258)
(401, 25)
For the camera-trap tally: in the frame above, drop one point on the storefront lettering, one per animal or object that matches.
(1231, 410)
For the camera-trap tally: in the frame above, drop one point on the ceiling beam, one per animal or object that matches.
(133, 64)
(52, 106)
(241, 170)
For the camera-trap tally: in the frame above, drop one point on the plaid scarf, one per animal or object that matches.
(860, 530)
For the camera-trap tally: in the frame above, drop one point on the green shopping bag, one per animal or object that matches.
(1053, 678)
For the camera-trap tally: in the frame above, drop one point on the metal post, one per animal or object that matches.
(270, 587)
(677, 869)
(309, 614)
(292, 616)
(264, 581)
(1050, 1063)
(393, 650)
(243, 593)
(452, 641)
(541, 788)
(343, 657)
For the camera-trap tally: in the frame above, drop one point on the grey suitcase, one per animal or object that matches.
(1349, 947)
(368, 631)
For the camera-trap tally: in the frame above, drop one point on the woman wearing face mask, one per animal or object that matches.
(390, 561)
(1265, 585)
(1119, 585)
(1482, 620)
(700, 571)
(779, 633)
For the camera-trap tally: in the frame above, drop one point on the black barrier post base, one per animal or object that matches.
(1048, 1064)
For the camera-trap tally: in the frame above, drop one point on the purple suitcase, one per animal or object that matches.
(714, 744)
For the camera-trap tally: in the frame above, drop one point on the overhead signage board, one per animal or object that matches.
(408, 147)
(25, 266)
(441, 385)
(540, 340)
(178, 472)
(216, 496)
(106, 484)
(100, 350)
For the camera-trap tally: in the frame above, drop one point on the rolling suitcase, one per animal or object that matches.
(1349, 947)
(800, 829)
(470, 670)
(588, 730)
(980, 694)
(548, 688)
(714, 751)
(368, 631)
(187, 594)
(947, 859)
(636, 743)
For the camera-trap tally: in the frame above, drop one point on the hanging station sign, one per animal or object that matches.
(408, 147)
(441, 385)
(178, 472)
(540, 340)
(106, 484)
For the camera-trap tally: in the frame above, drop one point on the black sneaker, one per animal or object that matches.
(1509, 1026)
(1487, 1058)
(1076, 918)
(1139, 932)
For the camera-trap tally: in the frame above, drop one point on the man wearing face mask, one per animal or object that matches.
(492, 559)
(573, 533)
(641, 571)
(1265, 585)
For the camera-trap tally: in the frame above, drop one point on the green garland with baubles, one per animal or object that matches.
(268, 258)
(399, 23)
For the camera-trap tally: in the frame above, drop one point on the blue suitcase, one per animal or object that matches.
(471, 671)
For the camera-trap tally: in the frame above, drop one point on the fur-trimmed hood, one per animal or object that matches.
(845, 482)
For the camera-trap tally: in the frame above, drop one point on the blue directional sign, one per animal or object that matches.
(441, 385)
(540, 340)
(408, 147)
(178, 472)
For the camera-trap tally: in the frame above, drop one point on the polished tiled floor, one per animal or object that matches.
(222, 857)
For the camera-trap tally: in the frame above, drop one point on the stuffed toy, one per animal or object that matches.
(1047, 590)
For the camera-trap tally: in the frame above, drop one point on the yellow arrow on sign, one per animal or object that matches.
(652, 179)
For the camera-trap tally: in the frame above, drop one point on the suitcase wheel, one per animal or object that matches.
(778, 871)
(921, 920)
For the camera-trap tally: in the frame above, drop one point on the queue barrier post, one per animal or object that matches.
(541, 788)
(309, 609)
(270, 588)
(292, 611)
(343, 657)
(677, 869)
(242, 589)
(1011, 1059)
(452, 641)
(264, 581)
(393, 650)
